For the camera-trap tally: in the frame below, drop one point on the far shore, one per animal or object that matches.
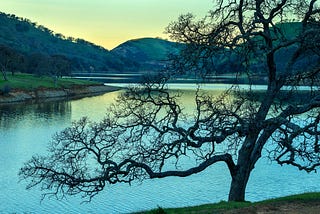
(18, 96)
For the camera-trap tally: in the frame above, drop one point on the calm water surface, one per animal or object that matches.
(25, 130)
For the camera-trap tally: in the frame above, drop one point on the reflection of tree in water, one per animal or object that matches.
(48, 112)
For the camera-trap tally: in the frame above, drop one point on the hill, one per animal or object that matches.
(30, 38)
(42, 50)
(150, 53)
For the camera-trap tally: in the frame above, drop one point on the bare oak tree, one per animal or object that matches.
(147, 134)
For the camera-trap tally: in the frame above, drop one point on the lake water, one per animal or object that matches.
(25, 130)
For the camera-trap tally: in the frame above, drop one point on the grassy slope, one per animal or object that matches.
(229, 206)
(156, 49)
(30, 82)
(146, 49)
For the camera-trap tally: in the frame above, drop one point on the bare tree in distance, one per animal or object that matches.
(147, 129)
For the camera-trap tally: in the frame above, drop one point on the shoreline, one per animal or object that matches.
(18, 96)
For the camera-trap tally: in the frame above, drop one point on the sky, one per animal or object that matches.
(107, 23)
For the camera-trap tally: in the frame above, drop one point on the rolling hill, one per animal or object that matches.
(29, 38)
(151, 53)
(146, 54)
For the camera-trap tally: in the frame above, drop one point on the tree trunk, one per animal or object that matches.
(241, 174)
(4, 75)
(239, 184)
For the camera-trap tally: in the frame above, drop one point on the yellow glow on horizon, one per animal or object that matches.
(105, 23)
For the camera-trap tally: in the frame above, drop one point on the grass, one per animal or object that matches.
(30, 82)
(300, 197)
(227, 206)
(223, 205)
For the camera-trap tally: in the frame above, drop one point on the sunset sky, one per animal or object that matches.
(105, 22)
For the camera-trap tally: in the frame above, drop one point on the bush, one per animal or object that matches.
(158, 211)
(5, 90)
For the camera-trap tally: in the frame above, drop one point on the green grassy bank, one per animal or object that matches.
(294, 202)
(30, 82)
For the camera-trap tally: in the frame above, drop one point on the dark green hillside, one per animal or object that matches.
(282, 32)
(41, 51)
(150, 53)
(29, 38)
(290, 29)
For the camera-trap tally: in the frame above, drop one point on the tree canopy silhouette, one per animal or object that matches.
(147, 133)
(10, 60)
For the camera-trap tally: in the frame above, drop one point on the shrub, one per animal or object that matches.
(5, 90)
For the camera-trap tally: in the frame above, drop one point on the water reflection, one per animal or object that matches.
(30, 114)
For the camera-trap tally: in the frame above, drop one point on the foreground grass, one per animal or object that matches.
(30, 82)
(223, 206)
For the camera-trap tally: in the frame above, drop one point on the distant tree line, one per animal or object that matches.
(40, 64)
